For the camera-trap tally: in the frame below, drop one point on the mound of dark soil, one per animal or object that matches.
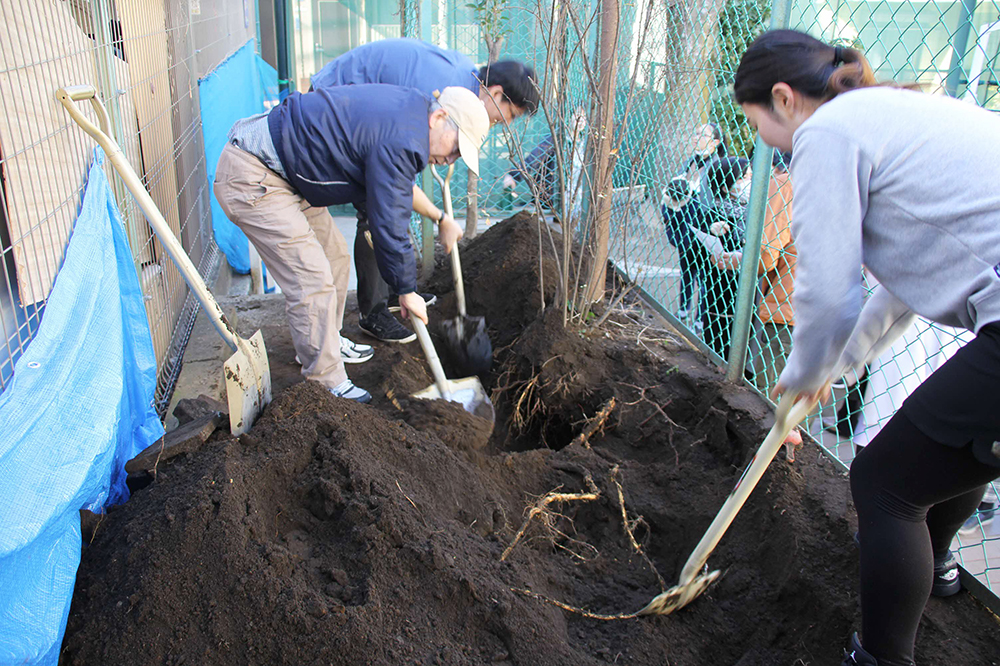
(335, 533)
(454, 426)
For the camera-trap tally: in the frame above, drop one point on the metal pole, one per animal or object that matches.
(426, 224)
(781, 12)
(745, 296)
(281, 43)
(960, 46)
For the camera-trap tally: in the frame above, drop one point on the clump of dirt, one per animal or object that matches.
(334, 533)
(452, 424)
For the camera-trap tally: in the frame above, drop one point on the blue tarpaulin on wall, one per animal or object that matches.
(79, 406)
(243, 85)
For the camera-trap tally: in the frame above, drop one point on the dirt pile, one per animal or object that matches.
(335, 533)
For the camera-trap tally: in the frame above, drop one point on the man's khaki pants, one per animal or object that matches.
(301, 247)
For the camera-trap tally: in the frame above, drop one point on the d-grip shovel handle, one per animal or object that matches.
(420, 328)
(68, 96)
(790, 412)
(456, 260)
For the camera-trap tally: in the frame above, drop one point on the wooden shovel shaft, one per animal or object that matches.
(68, 96)
(456, 260)
(787, 416)
(420, 328)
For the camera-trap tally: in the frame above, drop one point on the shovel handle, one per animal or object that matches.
(789, 413)
(420, 328)
(68, 96)
(456, 259)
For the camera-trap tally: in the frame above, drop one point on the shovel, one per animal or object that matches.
(468, 392)
(695, 577)
(467, 346)
(247, 374)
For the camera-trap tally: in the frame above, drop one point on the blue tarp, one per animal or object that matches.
(243, 85)
(79, 406)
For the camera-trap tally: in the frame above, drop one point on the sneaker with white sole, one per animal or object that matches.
(353, 352)
(351, 392)
(381, 325)
(429, 300)
(946, 582)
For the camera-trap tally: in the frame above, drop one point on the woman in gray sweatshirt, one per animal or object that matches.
(906, 184)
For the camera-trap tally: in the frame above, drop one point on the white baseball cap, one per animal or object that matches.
(469, 113)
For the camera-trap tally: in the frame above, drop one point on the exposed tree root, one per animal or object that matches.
(594, 424)
(573, 609)
(547, 516)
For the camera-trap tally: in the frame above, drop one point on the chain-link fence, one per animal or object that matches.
(145, 58)
(717, 256)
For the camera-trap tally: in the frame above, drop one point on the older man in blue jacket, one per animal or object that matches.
(507, 89)
(353, 144)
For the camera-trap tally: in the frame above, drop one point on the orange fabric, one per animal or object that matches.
(777, 254)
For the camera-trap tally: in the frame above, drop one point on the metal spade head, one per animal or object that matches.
(467, 347)
(679, 596)
(468, 392)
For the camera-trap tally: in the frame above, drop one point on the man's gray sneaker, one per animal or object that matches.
(352, 352)
(348, 390)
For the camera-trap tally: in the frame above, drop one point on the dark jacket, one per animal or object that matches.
(679, 222)
(540, 167)
(361, 145)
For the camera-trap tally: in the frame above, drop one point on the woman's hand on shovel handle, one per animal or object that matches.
(792, 443)
(413, 305)
(820, 395)
(449, 233)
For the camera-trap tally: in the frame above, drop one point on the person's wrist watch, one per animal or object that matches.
(441, 218)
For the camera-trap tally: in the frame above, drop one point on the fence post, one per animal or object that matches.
(960, 47)
(427, 185)
(746, 294)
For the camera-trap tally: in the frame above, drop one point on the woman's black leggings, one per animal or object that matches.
(912, 494)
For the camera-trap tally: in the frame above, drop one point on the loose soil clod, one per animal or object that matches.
(336, 533)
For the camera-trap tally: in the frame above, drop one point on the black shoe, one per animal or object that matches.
(383, 326)
(429, 300)
(946, 582)
(855, 655)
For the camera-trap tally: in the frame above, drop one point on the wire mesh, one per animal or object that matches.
(145, 59)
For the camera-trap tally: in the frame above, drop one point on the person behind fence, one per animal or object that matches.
(728, 181)
(708, 146)
(507, 89)
(680, 213)
(540, 170)
(777, 275)
(350, 144)
(878, 179)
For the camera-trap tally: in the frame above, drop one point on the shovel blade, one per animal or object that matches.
(679, 596)
(467, 346)
(468, 392)
(248, 383)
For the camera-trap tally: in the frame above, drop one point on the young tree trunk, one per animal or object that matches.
(600, 208)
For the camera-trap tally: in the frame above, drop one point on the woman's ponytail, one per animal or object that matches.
(808, 65)
(850, 73)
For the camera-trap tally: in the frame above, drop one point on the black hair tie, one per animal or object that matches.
(838, 56)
